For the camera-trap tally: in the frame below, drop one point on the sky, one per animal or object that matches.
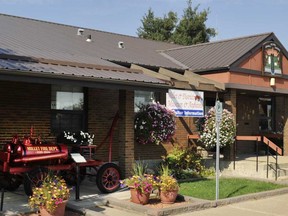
(230, 18)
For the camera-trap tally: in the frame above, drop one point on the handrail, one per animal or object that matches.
(277, 150)
(247, 138)
(272, 145)
(250, 138)
(193, 136)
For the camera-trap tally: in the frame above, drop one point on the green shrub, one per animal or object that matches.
(184, 162)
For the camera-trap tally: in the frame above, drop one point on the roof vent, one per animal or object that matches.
(89, 38)
(80, 31)
(121, 45)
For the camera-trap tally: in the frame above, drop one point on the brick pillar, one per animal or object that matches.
(126, 131)
(230, 102)
(285, 128)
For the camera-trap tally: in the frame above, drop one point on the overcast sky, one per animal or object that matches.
(231, 18)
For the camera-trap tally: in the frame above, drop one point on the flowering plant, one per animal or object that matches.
(143, 184)
(154, 123)
(227, 129)
(80, 138)
(50, 193)
(166, 182)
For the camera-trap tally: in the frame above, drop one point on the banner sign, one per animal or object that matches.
(185, 103)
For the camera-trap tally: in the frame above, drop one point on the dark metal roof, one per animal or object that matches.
(28, 37)
(71, 72)
(215, 55)
(46, 49)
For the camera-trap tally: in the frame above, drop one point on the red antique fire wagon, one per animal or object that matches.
(28, 161)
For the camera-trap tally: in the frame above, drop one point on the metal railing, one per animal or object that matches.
(257, 139)
(277, 150)
(270, 145)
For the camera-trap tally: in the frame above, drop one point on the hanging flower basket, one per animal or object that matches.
(154, 123)
(227, 130)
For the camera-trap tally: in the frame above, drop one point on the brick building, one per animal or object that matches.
(59, 77)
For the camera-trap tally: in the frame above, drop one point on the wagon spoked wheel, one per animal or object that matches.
(34, 178)
(108, 178)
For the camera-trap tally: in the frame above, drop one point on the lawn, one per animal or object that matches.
(228, 187)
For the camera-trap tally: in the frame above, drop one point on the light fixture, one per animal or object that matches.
(89, 38)
(80, 32)
(272, 81)
(121, 44)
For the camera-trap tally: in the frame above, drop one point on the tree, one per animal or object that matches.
(190, 29)
(156, 28)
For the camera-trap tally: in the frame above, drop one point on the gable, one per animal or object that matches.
(218, 55)
(256, 63)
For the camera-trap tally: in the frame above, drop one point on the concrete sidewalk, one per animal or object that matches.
(92, 203)
(272, 206)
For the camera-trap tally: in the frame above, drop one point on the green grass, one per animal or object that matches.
(228, 187)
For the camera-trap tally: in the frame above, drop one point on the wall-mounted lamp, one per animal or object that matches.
(272, 81)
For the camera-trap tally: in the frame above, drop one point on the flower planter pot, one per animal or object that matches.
(139, 198)
(59, 211)
(168, 197)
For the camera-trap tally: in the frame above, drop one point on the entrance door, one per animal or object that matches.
(266, 117)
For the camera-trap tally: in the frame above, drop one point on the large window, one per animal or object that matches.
(67, 106)
(265, 114)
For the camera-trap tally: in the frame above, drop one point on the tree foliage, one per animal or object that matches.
(190, 29)
(157, 28)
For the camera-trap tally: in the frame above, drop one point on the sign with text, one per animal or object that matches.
(218, 111)
(185, 103)
(78, 158)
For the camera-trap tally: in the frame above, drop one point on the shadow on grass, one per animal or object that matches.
(234, 192)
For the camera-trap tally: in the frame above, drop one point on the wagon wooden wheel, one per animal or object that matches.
(108, 178)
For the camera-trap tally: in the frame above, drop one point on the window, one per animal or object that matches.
(209, 103)
(67, 108)
(265, 114)
(144, 97)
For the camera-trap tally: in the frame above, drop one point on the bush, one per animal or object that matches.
(184, 162)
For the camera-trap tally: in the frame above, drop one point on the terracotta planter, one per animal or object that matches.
(59, 211)
(139, 198)
(168, 197)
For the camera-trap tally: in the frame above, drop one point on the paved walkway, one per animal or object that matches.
(92, 203)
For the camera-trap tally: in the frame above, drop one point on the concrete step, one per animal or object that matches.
(246, 167)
